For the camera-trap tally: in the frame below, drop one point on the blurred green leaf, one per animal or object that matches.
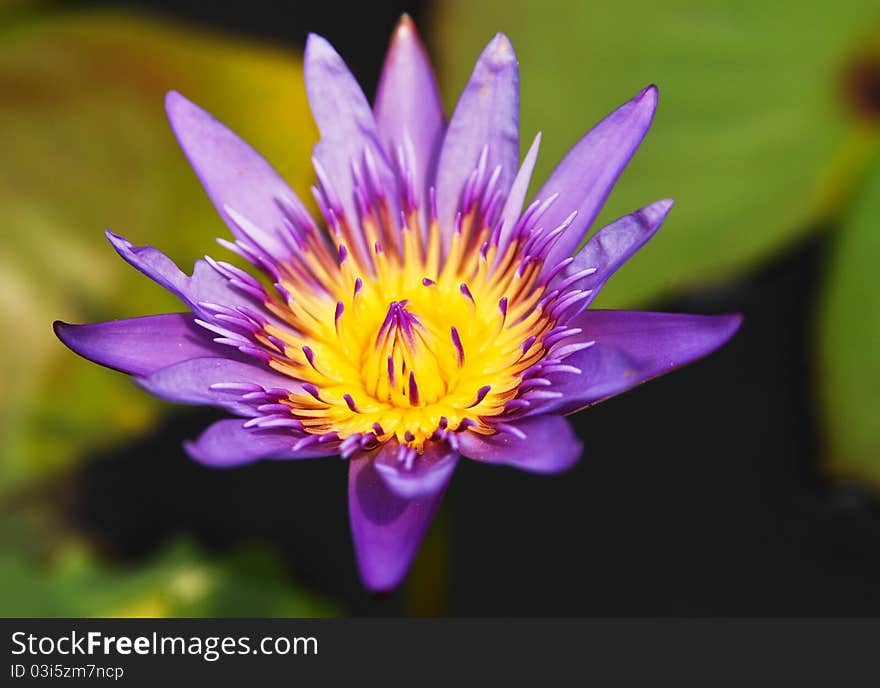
(749, 115)
(86, 147)
(849, 342)
(180, 582)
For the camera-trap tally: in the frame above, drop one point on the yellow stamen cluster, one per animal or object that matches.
(399, 343)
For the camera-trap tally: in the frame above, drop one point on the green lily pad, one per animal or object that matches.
(749, 116)
(849, 343)
(179, 582)
(87, 147)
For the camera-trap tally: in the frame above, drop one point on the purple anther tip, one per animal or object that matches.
(456, 340)
(413, 390)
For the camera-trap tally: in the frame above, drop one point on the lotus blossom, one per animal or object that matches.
(430, 315)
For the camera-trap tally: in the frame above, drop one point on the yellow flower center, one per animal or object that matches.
(391, 341)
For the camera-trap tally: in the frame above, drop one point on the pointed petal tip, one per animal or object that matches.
(179, 109)
(62, 330)
(733, 323)
(380, 580)
(405, 26)
(318, 47)
(117, 241)
(500, 41)
(404, 39)
(724, 327)
(192, 449)
(123, 247)
(499, 53)
(67, 333)
(650, 92)
(381, 586)
(200, 456)
(644, 104)
(173, 99)
(655, 213)
(318, 50)
(535, 145)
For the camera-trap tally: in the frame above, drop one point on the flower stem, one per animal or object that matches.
(427, 591)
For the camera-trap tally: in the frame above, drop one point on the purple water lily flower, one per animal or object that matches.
(430, 315)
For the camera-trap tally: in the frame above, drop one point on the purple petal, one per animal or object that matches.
(189, 382)
(633, 347)
(613, 245)
(549, 445)
(408, 105)
(345, 121)
(153, 263)
(587, 173)
(514, 204)
(139, 346)
(205, 285)
(234, 175)
(428, 473)
(604, 371)
(387, 529)
(208, 285)
(487, 114)
(227, 443)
